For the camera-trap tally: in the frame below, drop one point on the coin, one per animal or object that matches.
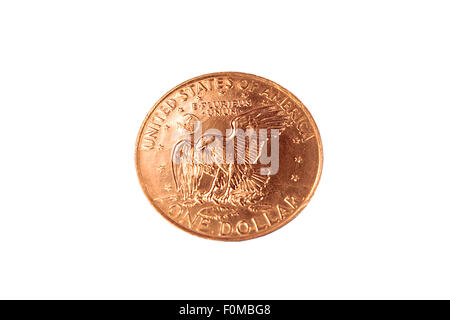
(229, 156)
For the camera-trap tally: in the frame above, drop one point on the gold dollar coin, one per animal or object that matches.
(229, 156)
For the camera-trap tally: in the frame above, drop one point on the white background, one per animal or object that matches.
(78, 77)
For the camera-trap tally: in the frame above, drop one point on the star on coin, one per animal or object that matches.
(296, 140)
(168, 187)
(161, 168)
(298, 159)
(160, 147)
(295, 177)
(181, 126)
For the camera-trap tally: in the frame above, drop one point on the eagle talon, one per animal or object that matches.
(198, 198)
(226, 196)
(209, 196)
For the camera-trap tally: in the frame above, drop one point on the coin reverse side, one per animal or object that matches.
(229, 156)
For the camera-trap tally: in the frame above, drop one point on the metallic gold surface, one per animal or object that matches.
(221, 200)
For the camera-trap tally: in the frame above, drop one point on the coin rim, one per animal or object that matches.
(250, 236)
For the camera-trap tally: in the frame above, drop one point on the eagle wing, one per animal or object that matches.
(246, 179)
(267, 118)
(186, 172)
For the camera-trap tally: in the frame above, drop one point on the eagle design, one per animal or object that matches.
(237, 182)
